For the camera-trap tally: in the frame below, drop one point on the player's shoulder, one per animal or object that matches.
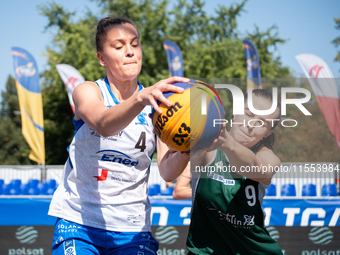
(87, 86)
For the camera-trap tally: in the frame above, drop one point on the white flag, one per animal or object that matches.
(323, 84)
(71, 78)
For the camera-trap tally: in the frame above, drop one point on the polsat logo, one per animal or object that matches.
(166, 234)
(26, 234)
(26, 70)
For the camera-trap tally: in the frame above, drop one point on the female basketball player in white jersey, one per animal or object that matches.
(102, 201)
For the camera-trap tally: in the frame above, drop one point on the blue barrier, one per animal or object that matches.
(288, 190)
(329, 190)
(32, 210)
(309, 190)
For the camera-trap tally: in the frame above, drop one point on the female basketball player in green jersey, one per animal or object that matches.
(227, 217)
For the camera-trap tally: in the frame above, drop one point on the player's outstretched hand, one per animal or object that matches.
(221, 140)
(150, 95)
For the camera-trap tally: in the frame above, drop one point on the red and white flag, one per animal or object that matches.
(71, 78)
(323, 84)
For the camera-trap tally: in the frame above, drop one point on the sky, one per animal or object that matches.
(307, 25)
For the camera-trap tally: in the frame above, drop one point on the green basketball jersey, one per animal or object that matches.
(227, 217)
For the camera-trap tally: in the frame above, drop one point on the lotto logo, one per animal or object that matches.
(68, 243)
(69, 248)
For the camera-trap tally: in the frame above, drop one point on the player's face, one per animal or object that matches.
(249, 129)
(122, 53)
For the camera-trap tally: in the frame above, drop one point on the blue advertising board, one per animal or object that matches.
(300, 226)
(279, 212)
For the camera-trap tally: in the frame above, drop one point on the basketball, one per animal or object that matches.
(188, 125)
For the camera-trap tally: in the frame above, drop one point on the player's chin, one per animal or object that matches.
(133, 68)
(131, 76)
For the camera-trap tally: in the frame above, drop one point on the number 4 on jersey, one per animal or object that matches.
(141, 142)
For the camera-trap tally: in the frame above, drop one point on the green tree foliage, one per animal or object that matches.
(212, 51)
(336, 41)
(210, 44)
(13, 148)
(73, 45)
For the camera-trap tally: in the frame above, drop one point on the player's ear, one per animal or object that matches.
(269, 133)
(101, 59)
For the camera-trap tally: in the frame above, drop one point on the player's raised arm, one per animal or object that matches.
(110, 121)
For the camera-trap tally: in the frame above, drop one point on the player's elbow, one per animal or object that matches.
(167, 178)
(175, 195)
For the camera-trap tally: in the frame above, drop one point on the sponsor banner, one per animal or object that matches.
(307, 240)
(172, 239)
(25, 239)
(279, 212)
(71, 78)
(169, 212)
(174, 57)
(322, 81)
(300, 212)
(253, 65)
(292, 240)
(30, 102)
(25, 211)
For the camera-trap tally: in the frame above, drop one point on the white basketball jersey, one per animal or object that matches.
(104, 184)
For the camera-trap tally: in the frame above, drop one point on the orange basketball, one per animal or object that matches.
(189, 124)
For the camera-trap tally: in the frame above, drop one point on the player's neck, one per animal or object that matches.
(123, 89)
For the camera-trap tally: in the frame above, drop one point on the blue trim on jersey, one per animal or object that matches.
(153, 152)
(69, 160)
(140, 86)
(77, 124)
(152, 157)
(110, 91)
(100, 90)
